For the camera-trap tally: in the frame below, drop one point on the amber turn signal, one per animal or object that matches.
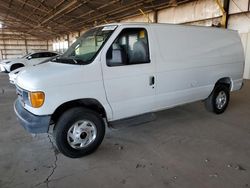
(36, 99)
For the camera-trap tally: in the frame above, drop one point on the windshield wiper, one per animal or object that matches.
(79, 61)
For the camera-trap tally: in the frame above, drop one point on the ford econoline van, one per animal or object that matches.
(122, 73)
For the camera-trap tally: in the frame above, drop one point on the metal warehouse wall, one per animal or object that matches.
(14, 44)
(200, 12)
(208, 13)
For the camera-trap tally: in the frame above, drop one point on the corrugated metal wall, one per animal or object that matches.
(14, 44)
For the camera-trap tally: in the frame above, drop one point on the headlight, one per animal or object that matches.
(36, 99)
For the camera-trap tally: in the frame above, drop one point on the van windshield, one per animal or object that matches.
(86, 47)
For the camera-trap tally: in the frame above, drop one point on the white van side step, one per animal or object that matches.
(132, 121)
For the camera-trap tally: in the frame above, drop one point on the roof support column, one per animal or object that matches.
(224, 9)
(155, 16)
(68, 40)
(26, 46)
(3, 51)
(226, 4)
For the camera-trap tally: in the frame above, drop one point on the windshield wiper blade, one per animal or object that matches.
(80, 61)
(75, 61)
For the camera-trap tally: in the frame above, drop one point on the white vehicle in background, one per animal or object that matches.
(121, 73)
(31, 59)
(13, 74)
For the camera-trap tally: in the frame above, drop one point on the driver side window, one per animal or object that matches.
(130, 47)
(35, 55)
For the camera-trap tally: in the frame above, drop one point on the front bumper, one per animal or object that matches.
(32, 123)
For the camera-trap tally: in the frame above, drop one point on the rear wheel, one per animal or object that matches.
(218, 100)
(79, 132)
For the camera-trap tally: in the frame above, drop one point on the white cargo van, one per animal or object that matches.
(121, 73)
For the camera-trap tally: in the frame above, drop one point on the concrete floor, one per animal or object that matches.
(185, 147)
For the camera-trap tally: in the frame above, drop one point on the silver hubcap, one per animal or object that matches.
(221, 100)
(81, 134)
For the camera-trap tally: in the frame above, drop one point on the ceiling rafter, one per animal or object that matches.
(42, 2)
(32, 6)
(58, 11)
(49, 19)
(23, 5)
(115, 11)
(92, 11)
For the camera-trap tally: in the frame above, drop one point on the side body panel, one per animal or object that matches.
(190, 60)
(62, 83)
(185, 61)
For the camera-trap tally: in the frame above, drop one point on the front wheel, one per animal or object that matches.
(218, 100)
(79, 132)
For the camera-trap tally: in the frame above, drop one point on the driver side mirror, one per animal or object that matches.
(29, 57)
(116, 56)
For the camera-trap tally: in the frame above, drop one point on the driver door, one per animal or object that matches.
(128, 74)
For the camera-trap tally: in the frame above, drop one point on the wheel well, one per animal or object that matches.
(15, 66)
(91, 104)
(226, 81)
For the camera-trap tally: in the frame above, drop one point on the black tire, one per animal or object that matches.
(66, 122)
(16, 66)
(211, 104)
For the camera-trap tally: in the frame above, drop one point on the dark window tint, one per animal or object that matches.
(130, 47)
(51, 54)
(35, 55)
(43, 55)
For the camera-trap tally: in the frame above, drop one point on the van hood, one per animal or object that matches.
(48, 75)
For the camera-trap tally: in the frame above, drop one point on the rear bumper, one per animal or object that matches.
(237, 84)
(32, 123)
(242, 85)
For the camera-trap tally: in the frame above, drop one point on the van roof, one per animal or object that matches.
(165, 24)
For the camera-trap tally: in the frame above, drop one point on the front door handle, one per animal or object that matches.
(151, 80)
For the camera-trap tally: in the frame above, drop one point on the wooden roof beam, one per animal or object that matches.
(133, 5)
(16, 13)
(57, 12)
(32, 6)
(71, 10)
(91, 11)
(42, 3)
